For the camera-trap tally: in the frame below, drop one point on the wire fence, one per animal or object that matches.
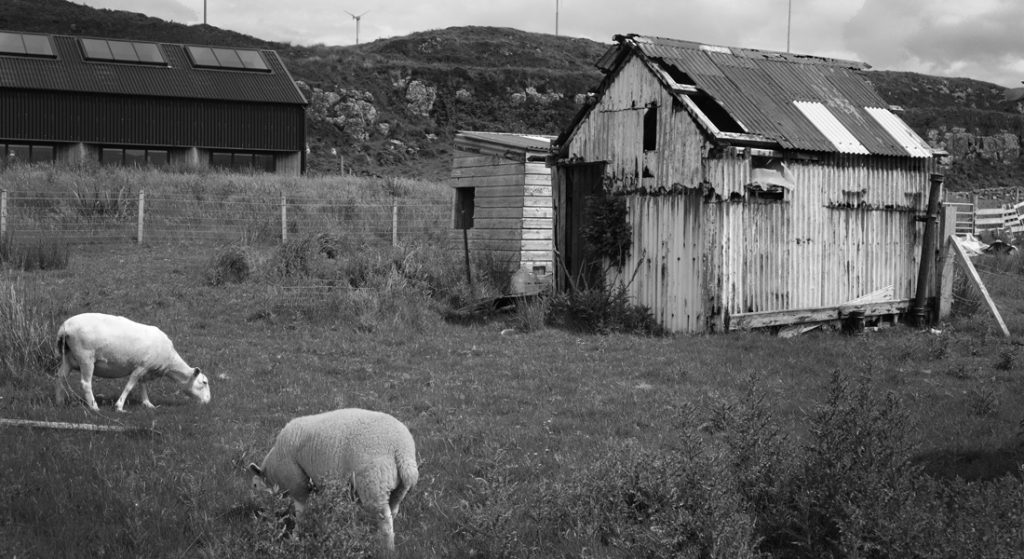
(114, 217)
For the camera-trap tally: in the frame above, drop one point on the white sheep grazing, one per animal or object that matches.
(113, 347)
(371, 450)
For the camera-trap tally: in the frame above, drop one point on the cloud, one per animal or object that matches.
(941, 37)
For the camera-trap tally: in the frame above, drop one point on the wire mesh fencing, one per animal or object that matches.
(256, 218)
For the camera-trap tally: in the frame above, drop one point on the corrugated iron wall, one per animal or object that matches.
(847, 229)
(150, 121)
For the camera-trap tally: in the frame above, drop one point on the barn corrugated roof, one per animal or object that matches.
(70, 71)
(797, 101)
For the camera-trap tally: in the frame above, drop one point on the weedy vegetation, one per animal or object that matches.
(569, 427)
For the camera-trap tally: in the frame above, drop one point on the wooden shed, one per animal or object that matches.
(503, 198)
(760, 188)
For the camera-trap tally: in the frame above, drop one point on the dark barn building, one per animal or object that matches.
(76, 99)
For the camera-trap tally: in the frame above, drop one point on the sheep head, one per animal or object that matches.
(198, 386)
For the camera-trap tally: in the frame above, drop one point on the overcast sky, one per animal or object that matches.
(978, 39)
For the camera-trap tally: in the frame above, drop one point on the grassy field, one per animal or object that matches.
(895, 443)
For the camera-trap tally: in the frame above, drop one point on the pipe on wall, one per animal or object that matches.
(919, 315)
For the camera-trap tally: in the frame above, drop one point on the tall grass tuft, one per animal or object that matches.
(26, 336)
(41, 253)
(601, 310)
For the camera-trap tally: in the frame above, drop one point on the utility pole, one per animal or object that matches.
(789, 23)
(357, 18)
(204, 12)
(556, 18)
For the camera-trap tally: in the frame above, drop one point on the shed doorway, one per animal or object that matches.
(579, 182)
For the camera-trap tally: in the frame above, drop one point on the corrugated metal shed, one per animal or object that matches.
(71, 72)
(760, 90)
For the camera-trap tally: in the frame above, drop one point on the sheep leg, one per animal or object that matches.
(373, 494)
(133, 379)
(145, 396)
(86, 366)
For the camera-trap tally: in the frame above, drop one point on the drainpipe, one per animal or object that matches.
(919, 312)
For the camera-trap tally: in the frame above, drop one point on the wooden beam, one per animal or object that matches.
(972, 273)
(748, 321)
(74, 426)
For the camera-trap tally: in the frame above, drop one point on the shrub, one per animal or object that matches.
(233, 264)
(601, 311)
(333, 525)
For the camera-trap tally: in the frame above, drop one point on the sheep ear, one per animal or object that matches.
(255, 469)
(196, 372)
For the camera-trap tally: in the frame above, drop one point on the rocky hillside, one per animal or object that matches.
(393, 105)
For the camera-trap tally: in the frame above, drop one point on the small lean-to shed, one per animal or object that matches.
(503, 198)
(760, 188)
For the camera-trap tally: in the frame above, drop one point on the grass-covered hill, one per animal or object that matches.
(392, 106)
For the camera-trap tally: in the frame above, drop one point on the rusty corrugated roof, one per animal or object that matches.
(760, 91)
(524, 142)
(70, 71)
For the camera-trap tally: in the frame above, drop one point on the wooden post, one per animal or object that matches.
(946, 259)
(974, 214)
(465, 248)
(3, 214)
(394, 224)
(284, 218)
(142, 214)
(972, 274)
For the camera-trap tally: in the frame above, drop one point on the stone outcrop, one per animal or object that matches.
(962, 145)
(350, 111)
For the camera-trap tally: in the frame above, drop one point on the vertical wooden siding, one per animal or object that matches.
(513, 211)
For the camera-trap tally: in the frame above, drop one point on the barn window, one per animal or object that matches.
(465, 202)
(651, 128)
(242, 161)
(133, 157)
(770, 179)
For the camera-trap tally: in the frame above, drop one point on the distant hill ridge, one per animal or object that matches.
(392, 106)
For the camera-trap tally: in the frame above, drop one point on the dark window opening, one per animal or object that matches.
(651, 128)
(243, 161)
(716, 113)
(134, 157)
(26, 153)
(465, 202)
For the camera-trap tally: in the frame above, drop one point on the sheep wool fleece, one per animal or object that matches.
(372, 449)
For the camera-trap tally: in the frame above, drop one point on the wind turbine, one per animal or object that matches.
(357, 18)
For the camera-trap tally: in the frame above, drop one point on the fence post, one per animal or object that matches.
(284, 217)
(394, 224)
(142, 213)
(3, 214)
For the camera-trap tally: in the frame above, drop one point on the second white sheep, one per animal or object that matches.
(372, 451)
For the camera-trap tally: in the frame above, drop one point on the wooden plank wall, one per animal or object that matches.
(513, 208)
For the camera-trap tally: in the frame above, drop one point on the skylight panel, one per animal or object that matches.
(228, 58)
(37, 45)
(97, 49)
(830, 127)
(25, 44)
(123, 51)
(149, 53)
(203, 56)
(252, 59)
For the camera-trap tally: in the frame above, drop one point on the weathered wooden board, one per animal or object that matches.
(972, 273)
(748, 321)
(484, 182)
(515, 169)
